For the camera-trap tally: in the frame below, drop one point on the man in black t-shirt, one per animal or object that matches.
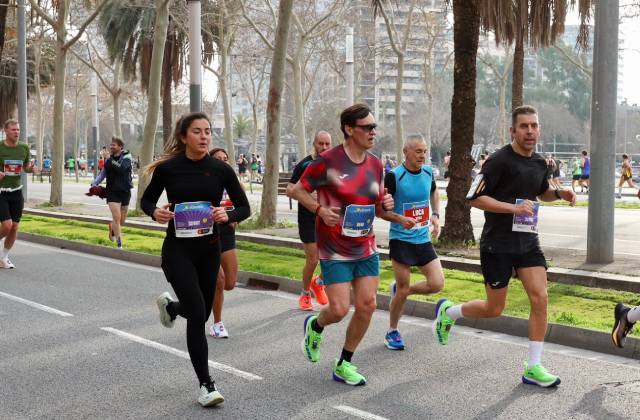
(507, 189)
(307, 229)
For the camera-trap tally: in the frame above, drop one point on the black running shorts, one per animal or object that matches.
(307, 231)
(497, 269)
(122, 197)
(11, 205)
(415, 255)
(227, 238)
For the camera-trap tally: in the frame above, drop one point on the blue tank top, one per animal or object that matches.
(412, 200)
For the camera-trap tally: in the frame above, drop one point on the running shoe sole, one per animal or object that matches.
(619, 313)
(302, 343)
(212, 399)
(344, 381)
(434, 328)
(390, 347)
(165, 318)
(530, 381)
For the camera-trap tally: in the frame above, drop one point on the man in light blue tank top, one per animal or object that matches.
(417, 204)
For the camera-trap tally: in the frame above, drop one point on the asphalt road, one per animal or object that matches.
(80, 338)
(560, 227)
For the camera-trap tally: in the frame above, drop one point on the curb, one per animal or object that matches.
(558, 334)
(554, 274)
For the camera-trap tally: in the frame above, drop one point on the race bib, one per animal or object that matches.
(418, 211)
(527, 224)
(193, 220)
(358, 220)
(12, 167)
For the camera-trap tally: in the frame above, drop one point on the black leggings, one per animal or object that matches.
(191, 266)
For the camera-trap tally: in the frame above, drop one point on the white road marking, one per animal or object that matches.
(358, 413)
(35, 305)
(92, 257)
(180, 353)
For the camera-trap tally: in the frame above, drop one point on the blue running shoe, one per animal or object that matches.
(393, 340)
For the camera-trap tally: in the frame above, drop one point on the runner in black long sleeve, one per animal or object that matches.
(194, 183)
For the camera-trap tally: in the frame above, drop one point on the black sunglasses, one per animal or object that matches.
(367, 127)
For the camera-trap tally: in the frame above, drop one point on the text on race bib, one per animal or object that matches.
(526, 224)
(358, 220)
(193, 219)
(418, 211)
(12, 167)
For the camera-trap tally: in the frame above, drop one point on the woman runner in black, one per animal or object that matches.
(194, 182)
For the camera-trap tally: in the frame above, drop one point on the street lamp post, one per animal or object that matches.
(95, 126)
(22, 83)
(349, 66)
(195, 65)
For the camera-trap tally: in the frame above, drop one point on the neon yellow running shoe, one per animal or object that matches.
(311, 340)
(443, 322)
(538, 375)
(347, 373)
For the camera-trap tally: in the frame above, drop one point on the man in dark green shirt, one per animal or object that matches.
(14, 159)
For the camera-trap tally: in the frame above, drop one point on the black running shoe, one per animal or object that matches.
(621, 326)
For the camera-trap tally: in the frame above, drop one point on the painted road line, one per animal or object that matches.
(358, 413)
(180, 353)
(35, 305)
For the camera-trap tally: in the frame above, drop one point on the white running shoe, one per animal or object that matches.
(162, 301)
(6, 263)
(209, 395)
(219, 331)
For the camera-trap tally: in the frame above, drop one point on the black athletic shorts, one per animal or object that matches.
(556, 173)
(576, 177)
(446, 175)
(497, 269)
(122, 197)
(415, 255)
(584, 176)
(307, 231)
(227, 238)
(11, 205)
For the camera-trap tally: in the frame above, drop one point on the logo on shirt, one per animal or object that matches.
(343, 176)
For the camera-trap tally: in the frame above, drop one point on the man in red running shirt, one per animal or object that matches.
(349, 185)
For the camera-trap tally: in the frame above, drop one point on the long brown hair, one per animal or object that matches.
(175, 146)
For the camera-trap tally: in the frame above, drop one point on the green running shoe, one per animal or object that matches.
(538, 375)
(443, 322)
(347, 373)
(311, 340)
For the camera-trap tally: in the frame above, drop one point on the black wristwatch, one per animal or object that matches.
(436, 214)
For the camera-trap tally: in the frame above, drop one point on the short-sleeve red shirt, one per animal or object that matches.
(340, 182)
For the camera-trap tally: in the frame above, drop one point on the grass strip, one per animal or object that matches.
(577, 306)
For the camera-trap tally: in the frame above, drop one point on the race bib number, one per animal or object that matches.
(527, 224)
(193, 220)
(358, 220)
(418, 211)
(12, 167)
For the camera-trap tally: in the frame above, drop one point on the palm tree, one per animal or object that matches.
(129, 31)
(536, 23)
(241, 125)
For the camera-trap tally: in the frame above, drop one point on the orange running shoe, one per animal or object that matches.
(318, 292)
(305, 302)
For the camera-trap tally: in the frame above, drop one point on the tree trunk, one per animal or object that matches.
(517, 87)
(268, 207)
(116, 94)
(428, 89)
(502, 112)
(226, 106)
(399, 122)
(298, 99)
(155, 76)
(167, 78)
(466, 31)
(254, 135)
(57, 152)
